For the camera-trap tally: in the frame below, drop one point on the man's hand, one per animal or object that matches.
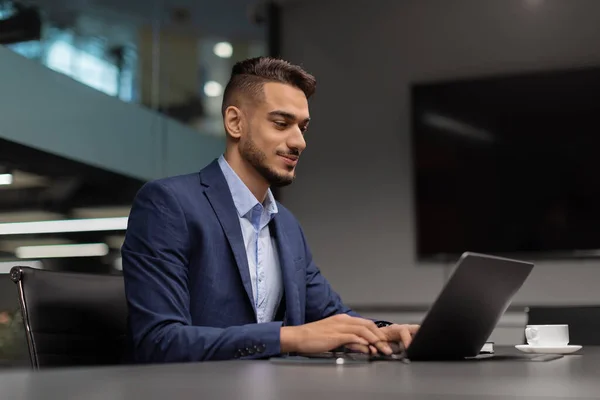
(398, 337)
(400, 333)
(336, 331)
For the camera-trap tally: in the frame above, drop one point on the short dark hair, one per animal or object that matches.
(249, 76)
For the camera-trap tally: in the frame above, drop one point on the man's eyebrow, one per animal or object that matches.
(286, 115)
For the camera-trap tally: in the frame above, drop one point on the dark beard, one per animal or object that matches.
(257, 158)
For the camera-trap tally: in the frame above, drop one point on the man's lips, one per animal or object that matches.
(289, 159)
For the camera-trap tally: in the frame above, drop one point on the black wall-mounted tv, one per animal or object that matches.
(508, 164)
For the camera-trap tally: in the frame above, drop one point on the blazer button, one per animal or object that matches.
(250, 350)
(261, 348)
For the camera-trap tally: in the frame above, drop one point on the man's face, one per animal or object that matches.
(274, 137)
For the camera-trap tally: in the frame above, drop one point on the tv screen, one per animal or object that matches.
(508, 164)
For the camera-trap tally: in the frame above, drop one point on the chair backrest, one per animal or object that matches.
(72, 319)
(13, 345)
(583, 321)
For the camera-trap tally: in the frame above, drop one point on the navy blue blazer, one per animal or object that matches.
(187, 280)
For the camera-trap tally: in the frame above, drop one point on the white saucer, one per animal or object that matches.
(526, 348)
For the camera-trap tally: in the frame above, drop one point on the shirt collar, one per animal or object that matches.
(243, 198)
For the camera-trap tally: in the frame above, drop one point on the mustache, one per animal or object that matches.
(291, 152)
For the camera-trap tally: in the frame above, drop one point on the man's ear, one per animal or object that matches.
(233, 121)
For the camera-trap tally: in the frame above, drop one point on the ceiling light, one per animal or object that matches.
(213, 89)
(9, 244)
(6, 179)
(223, 49)
(63, 251)
(67, 225)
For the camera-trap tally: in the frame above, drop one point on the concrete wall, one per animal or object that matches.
(353, 193)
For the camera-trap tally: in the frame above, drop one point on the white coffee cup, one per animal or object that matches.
(547, 335)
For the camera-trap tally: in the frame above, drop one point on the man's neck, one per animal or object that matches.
(248, 174)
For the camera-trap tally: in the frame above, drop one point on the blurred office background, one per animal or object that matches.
(420, 106)
(99, 97)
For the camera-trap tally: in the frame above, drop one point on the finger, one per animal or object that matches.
(372, 327)
(381, 345)
(384, 347)
(363, 349)
(359, 348)
(405, 336)
(413, 329)
(397, 347)
(376, 335)
(349, 338)
(394, 332)
(360, 331)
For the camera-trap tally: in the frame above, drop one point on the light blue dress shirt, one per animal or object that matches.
(261, 248)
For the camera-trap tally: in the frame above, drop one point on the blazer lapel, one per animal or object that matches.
(288, 272)
(219, 196)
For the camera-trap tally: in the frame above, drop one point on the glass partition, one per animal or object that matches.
(172, 59)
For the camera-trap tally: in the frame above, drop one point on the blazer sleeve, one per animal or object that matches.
(155, 258)
(321, 300)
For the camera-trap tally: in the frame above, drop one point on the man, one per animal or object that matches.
(214, 267)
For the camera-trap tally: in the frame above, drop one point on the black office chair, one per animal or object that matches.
(583, 321)
(72, 319)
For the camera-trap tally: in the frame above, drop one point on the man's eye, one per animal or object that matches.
(281, 124)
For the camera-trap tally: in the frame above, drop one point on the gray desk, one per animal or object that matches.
(576, 376)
